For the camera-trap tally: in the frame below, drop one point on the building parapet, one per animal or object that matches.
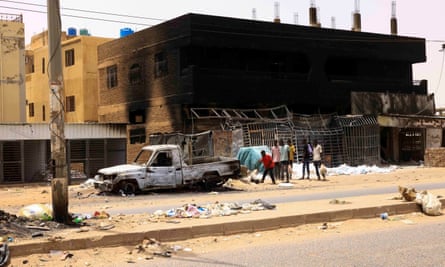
(11, 17)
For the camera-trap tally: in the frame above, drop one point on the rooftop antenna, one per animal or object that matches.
(277, 13)
(254, 13)
(393, 18)
(296, 18)
(356, 17)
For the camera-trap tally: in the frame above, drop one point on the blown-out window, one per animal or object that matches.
(134, 75)
(112, 76)
(161, 66)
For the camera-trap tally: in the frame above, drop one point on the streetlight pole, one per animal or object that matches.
(59, 183)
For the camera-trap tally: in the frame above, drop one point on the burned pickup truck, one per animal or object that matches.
(164, 166)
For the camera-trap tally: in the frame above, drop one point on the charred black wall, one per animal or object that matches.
(204, 61)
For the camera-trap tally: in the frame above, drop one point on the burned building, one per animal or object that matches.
(152, 78)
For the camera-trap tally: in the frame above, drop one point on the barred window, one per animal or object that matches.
(70, 105)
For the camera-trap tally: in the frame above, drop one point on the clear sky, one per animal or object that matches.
(416, 18)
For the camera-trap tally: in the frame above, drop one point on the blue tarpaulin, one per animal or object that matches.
(249, 157)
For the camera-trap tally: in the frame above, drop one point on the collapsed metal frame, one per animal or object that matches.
(361, 139)
(354, 140)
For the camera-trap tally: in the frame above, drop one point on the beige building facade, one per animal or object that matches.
(79, 63)
(12, 65)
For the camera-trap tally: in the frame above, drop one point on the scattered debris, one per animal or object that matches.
(324, 226)
(105, 226)
(336, 201)
(408, 194)
(285, 185)
(430, 203)
(384, 216)
(37, 211)
(211, 210)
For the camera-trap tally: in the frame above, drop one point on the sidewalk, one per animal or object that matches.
(284, 215)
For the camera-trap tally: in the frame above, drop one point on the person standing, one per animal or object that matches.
(284, 161)
(317, 157)
(276, 159)
(268, 163)
(307, 153)
(291, 156)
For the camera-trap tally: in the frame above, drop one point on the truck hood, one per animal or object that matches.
(120, 169)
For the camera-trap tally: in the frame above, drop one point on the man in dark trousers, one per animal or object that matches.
(267, 161)
(307, 154)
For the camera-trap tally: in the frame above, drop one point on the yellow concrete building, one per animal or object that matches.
(79, 62)
(12, 65)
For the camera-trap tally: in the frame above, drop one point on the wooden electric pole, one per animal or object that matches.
(59, 183)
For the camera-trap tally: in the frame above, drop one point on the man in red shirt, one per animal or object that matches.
(268, 166)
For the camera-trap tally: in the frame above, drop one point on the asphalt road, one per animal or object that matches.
(137, 209)
(414, 245)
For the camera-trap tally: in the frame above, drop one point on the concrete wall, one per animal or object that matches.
(435, 157)
(12, 69)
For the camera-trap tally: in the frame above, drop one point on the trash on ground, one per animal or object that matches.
(285, 185)
(336, 201)
(408, 194)
(105, 226)
(324, 226)
(212, 210)
(384, 216)
(36, 211)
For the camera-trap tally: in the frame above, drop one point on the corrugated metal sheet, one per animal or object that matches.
(41, 131)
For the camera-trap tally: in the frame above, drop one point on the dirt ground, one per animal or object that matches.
(15, 197)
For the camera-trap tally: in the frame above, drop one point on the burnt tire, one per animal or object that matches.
(209, 181)
(128, 187)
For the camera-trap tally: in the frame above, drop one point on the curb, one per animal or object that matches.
(212, 229)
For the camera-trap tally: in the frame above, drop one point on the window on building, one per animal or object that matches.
(135, 75)
(43, 113)
(161, 66)
(69, 57)
(112, 76)
(137, 136)
(70, 104)
(137, 116)
(31, 109)
(43, 65)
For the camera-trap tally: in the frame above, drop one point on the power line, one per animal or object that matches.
(81, 17)
(86, 11)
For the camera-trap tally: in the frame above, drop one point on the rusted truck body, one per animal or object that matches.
(163, 167)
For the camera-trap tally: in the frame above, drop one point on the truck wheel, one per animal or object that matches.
(209, 181)
(128, 187)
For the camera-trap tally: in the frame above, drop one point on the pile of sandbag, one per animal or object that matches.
(431, 205)
(429, 202)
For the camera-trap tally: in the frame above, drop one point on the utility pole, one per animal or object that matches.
(59, 183)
